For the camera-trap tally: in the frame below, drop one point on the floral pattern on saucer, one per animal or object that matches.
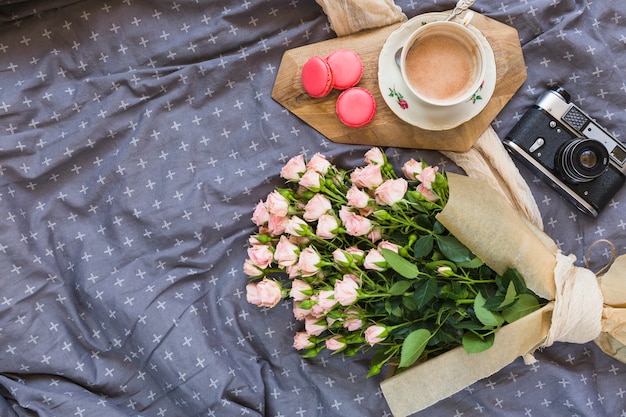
(411, 109)
(399, 98)
(476, 96)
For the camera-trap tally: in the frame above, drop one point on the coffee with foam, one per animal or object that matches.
(440, 67)
(443, 63)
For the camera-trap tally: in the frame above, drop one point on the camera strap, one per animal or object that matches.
(608, 263)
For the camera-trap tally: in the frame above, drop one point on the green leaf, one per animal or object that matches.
(314, 351)
(475, 263)
(352, 351)
(494, 302)
(393, 307)
(453, 291)
(514, 276)
(399, 287)
(409, 303)
(438, 228)
(511, 294)
(413, 346)
(472, 343)
(485, 316)
(525, 304)
(377, 362)
(425, 290)
(424, 246)
(399, 264)
(453, 249)
(469, 325)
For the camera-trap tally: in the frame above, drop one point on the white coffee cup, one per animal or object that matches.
(443, 63)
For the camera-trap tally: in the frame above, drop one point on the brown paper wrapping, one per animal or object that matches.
(495, 232)
(498, 234)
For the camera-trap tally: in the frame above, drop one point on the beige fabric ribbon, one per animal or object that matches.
(352, 16)
(578, 306)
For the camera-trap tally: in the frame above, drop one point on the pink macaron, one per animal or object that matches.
(356, 107)
(317, 77)
(347, 68)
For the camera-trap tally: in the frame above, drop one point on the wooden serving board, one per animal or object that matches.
(387, 129)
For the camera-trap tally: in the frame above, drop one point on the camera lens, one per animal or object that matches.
(581, 160)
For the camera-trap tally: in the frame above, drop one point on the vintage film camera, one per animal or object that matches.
(574, 154)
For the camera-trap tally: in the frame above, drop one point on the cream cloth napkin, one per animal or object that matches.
(487, 160)
(351, 16)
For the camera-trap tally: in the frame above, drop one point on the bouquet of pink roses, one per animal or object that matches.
(366, 264)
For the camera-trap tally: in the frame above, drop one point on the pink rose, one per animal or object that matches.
(277, 224)
(352, 321)
(353, 278)
(388, 245)
(299, 312)
(300, 290)
(375, 334)
(266, 293)
(311, 180)
(391, 191)
(375, 261)
(252, 294)
(292, 271)
(260, 216)
(346, 291)
(348, 257)
(335, 343)
(286, 253)
(375, 235)
(297, 227)
(309, 262)
(293, 168)
(277, 204)
(375, 156)
(314, 326)
(315, 207)
(301, 341)
(342, 258)
(319, 164)
(251, 270)
(325, 301)
(411, 169)
(327, 226)
(445, 271)
(357, 197)
(355, 225)
(261, 255)
(427, 193)
(428, 176)
(357, 254)
(368, 176)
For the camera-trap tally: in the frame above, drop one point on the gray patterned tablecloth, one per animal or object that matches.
(135, 140)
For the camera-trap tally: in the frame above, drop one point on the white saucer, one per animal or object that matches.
(420, 114)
